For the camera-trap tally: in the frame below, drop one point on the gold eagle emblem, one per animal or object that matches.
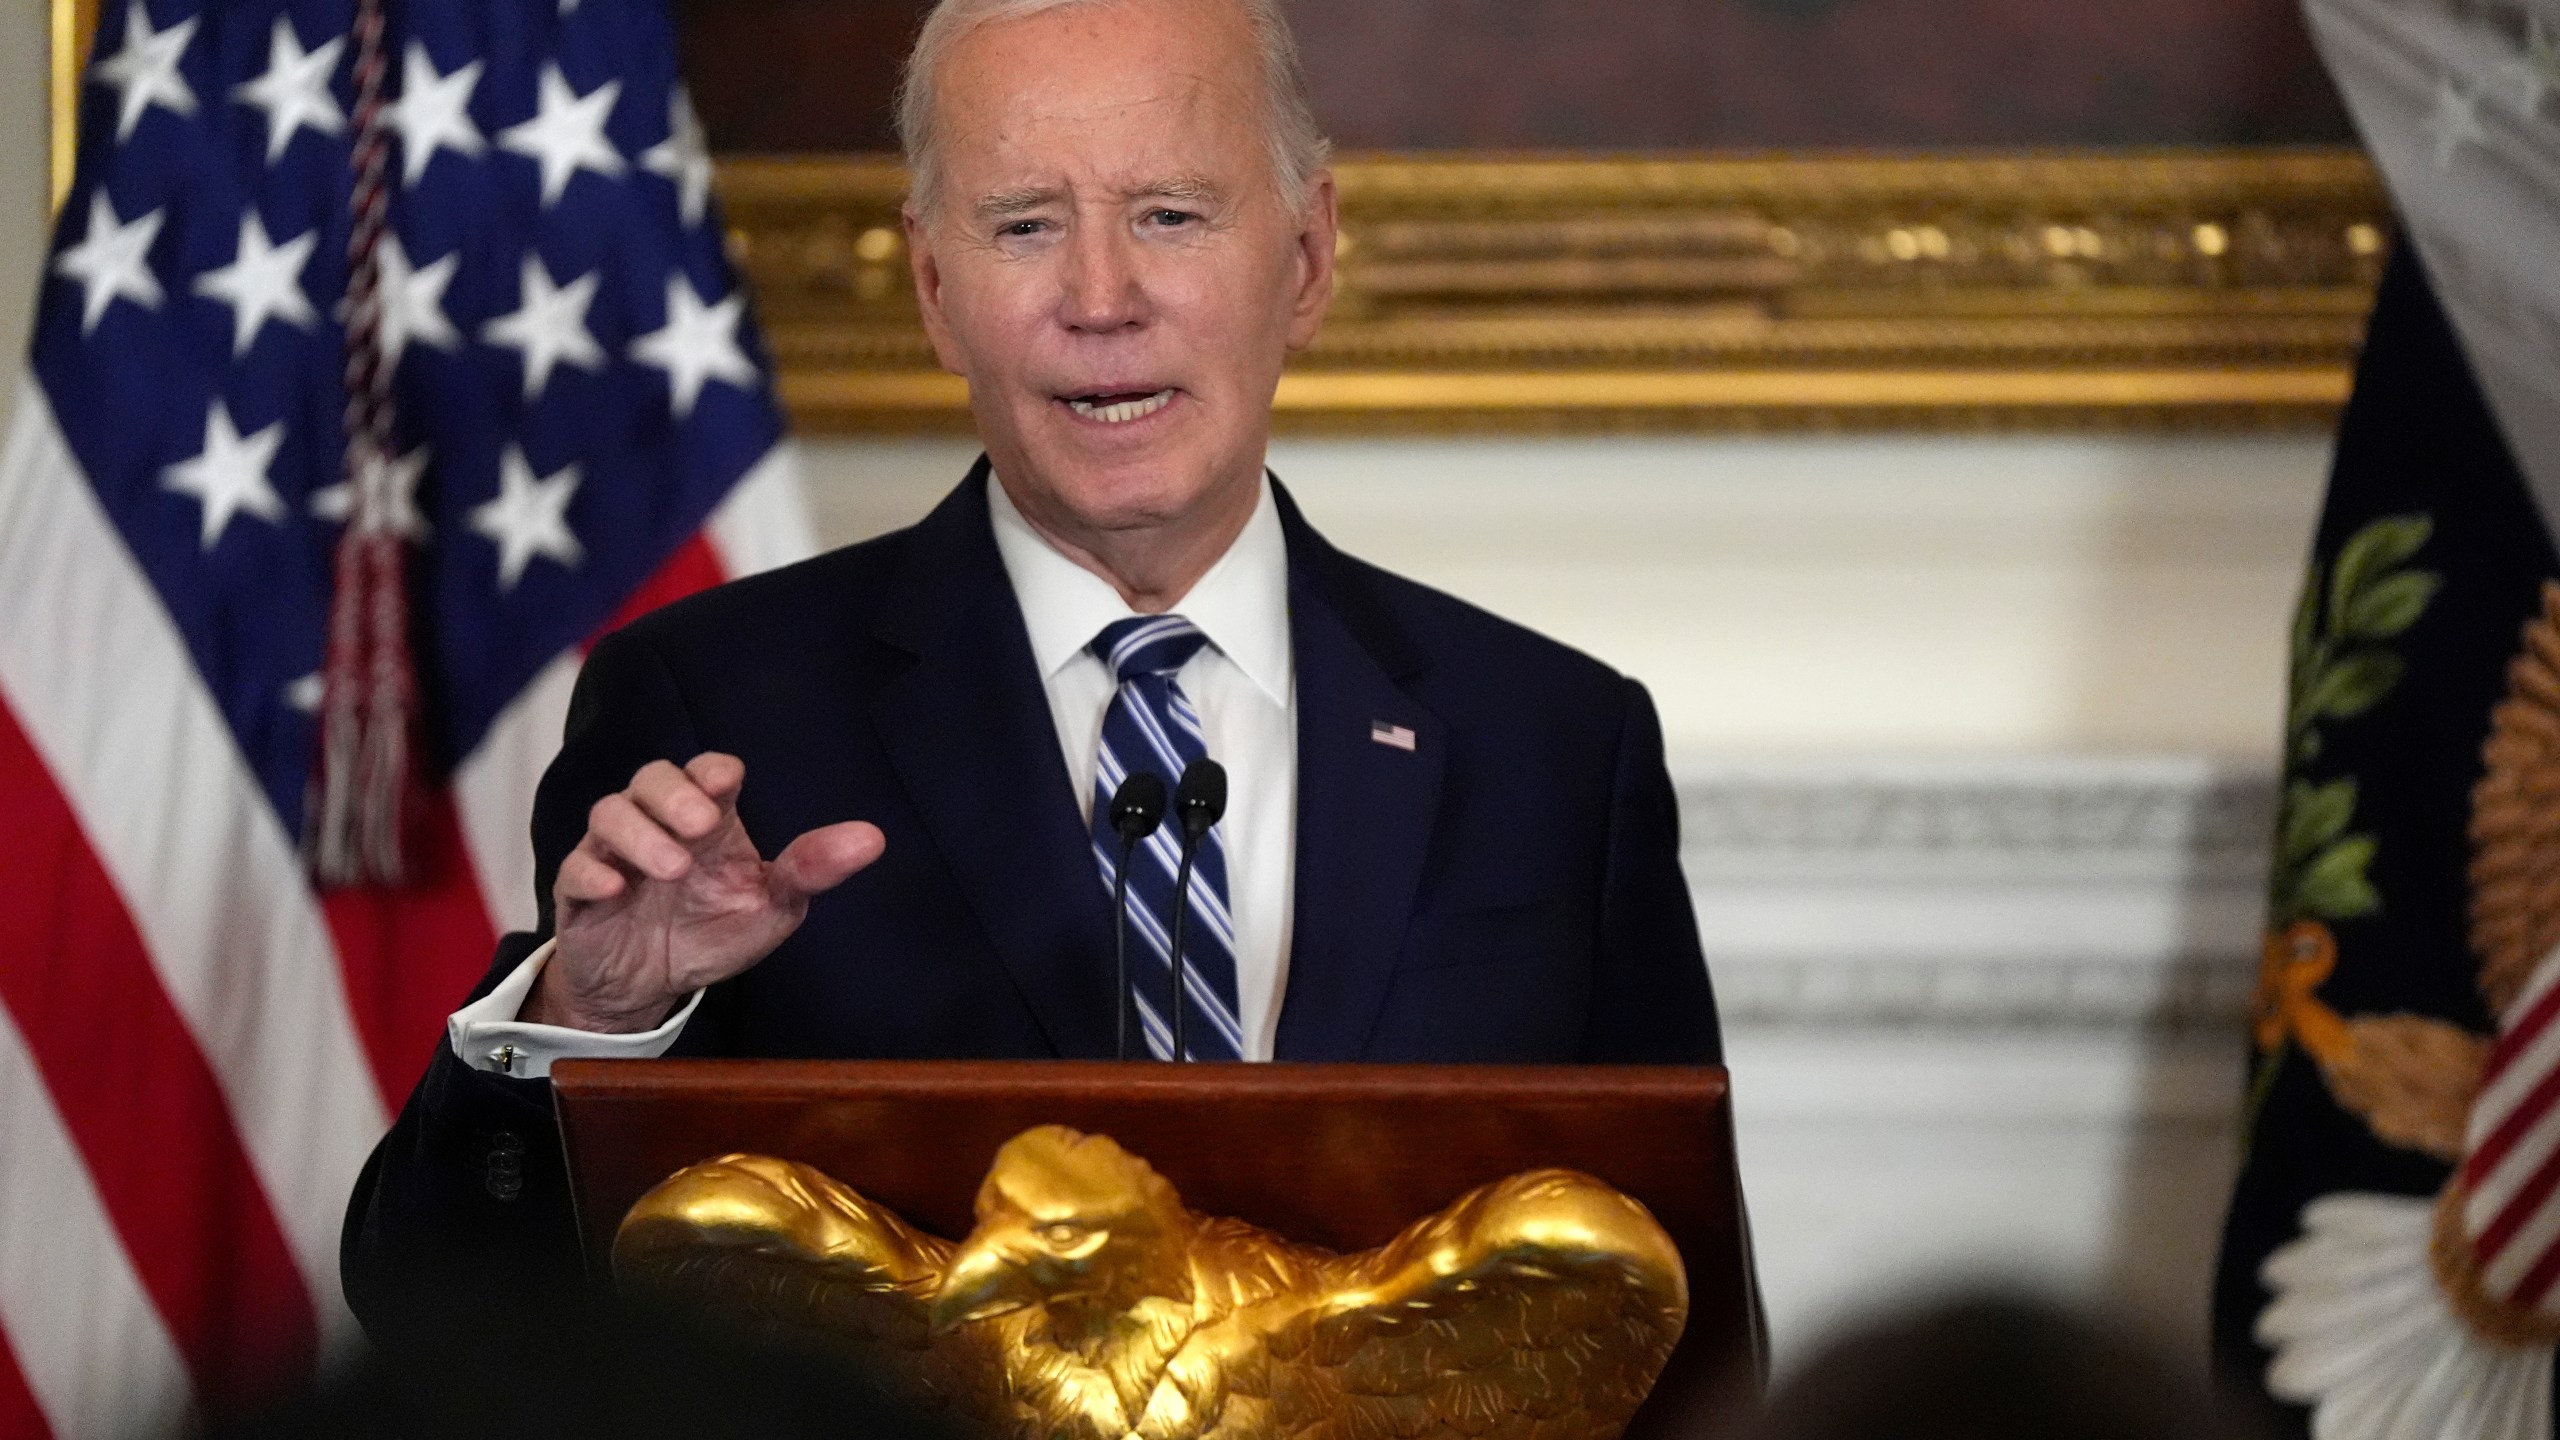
(1089, 1304)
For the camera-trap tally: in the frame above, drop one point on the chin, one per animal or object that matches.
(1124, 494)
(1119, 486)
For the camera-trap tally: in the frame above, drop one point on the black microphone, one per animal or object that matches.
(1198, 801)
(1137, 808)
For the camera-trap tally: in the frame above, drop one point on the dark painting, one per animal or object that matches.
(817, 75)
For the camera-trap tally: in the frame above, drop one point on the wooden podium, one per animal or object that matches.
(1342, 1156)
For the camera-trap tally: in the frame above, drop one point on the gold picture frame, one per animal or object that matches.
(2217, 288)
(2187, 288)
(71, 25)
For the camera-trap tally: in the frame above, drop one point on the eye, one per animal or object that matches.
(1061, 1233)
(1021, 228)
(1171, 219)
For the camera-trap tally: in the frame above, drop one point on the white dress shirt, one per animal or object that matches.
(1243, 683)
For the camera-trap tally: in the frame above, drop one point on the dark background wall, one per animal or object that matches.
(1635, 74)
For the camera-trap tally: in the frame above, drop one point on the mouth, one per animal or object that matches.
(1118, 407)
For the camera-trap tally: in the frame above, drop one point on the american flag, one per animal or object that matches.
(2428, 1000)
(2460, 106)
(198, 1045)
(2511, 1163)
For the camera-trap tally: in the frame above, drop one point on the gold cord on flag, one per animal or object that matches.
(368, 706)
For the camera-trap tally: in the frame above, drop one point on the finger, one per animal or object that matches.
(619, 830)
(669, 796)
(826, 857)
(584, 879)
(720, 776)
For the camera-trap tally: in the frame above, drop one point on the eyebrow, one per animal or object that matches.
(1179, 187)
(1002, 203)
(1015, 202)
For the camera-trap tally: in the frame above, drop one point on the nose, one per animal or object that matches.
(1103, 292)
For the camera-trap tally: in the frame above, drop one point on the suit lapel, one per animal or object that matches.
(967, 729)
(1365, 808)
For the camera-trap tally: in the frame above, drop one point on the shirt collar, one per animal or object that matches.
(1241, 605)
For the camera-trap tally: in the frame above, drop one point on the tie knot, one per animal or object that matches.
(1147, 645)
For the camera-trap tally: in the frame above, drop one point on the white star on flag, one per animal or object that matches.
(146, 69)
(549, 325)
(434, 112)
(412, 300)
(341, 686)
(295, 90)
(112, 259)
(567, 134)
(683, 158)
(529, 517)
(2455, 121)
(263, 282)
(229, 475)
(699, 344)
(399, 479)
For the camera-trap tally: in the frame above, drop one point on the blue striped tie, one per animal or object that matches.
(1151, 726)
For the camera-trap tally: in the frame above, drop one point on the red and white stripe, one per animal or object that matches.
(2511, 1164)
(763, 523)
(196, 1050)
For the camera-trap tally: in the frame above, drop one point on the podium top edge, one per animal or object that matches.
(581, 1080)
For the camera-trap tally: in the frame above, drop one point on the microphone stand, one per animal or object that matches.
(1137, 808)
(1181, 966)
(1198, 800)
(1120, 947)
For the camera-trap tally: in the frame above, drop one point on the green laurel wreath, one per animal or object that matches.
(2341, 669)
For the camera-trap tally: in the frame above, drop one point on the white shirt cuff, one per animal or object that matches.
(486, 1035)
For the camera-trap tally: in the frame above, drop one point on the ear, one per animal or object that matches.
(926, 268)
(1317, 235)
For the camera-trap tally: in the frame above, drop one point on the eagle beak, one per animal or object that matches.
(981, 1283)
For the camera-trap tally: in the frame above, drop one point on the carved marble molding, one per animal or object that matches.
(1971, 992)
(2048, 818)
(2045, 895)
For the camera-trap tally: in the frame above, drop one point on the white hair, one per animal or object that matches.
(1298, 147)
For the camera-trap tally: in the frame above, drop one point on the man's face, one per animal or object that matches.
(1111, 262)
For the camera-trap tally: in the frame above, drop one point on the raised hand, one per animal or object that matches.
(666, 894)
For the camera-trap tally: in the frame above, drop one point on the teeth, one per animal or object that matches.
(1125, 411)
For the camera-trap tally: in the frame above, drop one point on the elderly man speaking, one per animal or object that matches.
(1446, 838)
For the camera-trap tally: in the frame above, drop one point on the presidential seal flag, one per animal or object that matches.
(386, 354)
(2391, 1263)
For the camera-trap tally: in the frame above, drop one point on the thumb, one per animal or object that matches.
(824, 858)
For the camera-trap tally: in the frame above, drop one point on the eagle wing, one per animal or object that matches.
(2515, 827)
(805, 1261)
(1540, 1307)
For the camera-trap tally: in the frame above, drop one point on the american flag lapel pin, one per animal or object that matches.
(1398, 737)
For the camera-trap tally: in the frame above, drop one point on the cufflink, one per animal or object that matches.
(504, 1057)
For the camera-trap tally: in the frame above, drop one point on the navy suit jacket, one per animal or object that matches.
(1508, 890)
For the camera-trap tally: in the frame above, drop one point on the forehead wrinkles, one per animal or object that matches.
(1082, 154)
(1175, 115)
(1015, 89)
